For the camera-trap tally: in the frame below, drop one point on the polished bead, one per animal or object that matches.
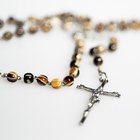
(77, 56)
(68, 80)
(42, 80)
(1, 23)
(113, 44)
(111, 26)
(80, 43)
(56, 83)
(98, 60)
(86, 23)
(46, 27)
(33, 29)
(99, 27)
(28, 78)
(73, 63)
(19, 32)
(122, 25)
(97, 50)
(79, 36)
(112, 47)
(74, 72)
(7, 36)
(135, 25)
(67, 25)
(12, 77)
(113, 40)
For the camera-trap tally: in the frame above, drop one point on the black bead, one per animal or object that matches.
(92, 51)
(28, 78)
(68, 81)
(98, 60)
(73, 63)
(112, 47)
(1, 23)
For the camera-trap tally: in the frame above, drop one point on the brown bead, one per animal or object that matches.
(56, 83)
(77, 56)
(80, 43)
(33, 29)
(111, 26)
(99, 27)
(32, 19)
(42, 80)
(74, 72)
(67, 25)
(7, 36)
(46, 27)
(12, 77)
(134, 25)
(113, 40)
(19, 32)
(86, 24)
(68, 81)
(122, 25)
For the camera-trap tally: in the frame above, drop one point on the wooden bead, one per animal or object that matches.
(42, 80)
(74, 72)
(12, 77)
(56, 83)
(68, 80)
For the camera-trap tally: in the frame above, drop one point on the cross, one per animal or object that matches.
(96, 93)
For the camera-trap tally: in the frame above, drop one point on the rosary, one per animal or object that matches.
(80, 26)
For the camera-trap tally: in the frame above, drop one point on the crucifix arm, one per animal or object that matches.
(85, 88)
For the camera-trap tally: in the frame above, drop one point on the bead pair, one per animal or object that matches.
(96, 51)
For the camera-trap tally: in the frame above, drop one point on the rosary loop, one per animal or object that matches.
(79, 26)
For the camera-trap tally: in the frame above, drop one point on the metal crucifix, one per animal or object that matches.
(96, 93)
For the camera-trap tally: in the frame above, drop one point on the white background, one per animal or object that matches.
(31, 112)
